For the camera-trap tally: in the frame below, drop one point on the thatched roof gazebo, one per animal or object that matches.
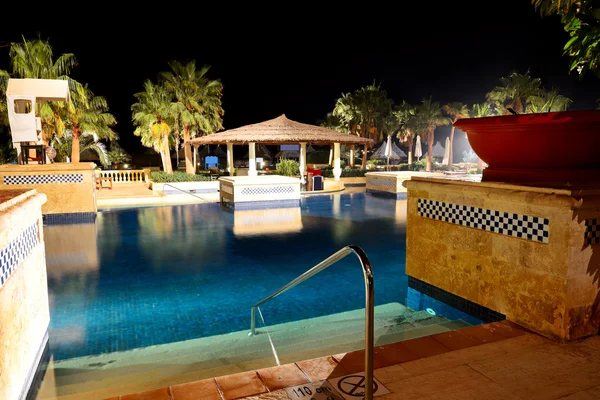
(282, 130)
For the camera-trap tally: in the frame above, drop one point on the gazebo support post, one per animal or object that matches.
(351, 156)
(337, 170)
(252, 159)
(302, 162)
(195, 158)
(330, 155)
(230, 158)
(364, 158)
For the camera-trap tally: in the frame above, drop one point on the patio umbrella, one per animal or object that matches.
(388, 150)
(446, 159)
(418, 150)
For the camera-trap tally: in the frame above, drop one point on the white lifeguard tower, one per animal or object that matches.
(25, 98)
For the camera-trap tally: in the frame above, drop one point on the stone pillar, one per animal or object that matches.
(527, 252)
(302, 162)
(252, 159)
(337, 170)
(352, 156)
(330, 154)
(230, 158)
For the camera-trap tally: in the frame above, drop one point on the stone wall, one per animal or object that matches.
(24, 312)
(530, 253)
(69, 187)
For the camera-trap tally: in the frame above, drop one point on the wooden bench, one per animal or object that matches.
(101, 179)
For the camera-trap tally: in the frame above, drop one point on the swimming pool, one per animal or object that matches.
(147, 276)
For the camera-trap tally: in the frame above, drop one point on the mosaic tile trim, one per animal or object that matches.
(267, 190)
(42, 179)
(382, 182)
(69, 218)
(509, 224)
(17, 251)
(476, 310)
(592, 231)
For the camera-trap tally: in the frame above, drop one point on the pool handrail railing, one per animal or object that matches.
(369, 303)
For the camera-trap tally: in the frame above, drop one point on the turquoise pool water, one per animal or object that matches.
(155, 275)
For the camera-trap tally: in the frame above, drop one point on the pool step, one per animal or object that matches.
(156, 366)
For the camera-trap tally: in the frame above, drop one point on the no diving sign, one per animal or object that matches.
(347, 387)
(353, 386)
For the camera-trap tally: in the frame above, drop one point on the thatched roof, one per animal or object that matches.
(280, 130)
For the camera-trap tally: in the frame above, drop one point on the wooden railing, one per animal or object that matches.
(125, 176)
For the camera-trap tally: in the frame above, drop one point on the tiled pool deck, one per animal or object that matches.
(492, 361)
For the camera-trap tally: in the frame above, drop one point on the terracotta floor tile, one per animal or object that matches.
(456, 383)
(507, 328)
(322, 368)
(276, 395)
(113, 398)
(595, 391)
(240, 385)
(205, 389)
(482, 333)
(390, 374)
(425, 347)
(355, 360)
(282, 376)
(454, 340)
(158, 394)
(580, 396)
(543, 372)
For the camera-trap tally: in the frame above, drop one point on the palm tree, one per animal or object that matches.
(548, 102)
(154, 114)
(346, 110)
(515, 91)
(34, 59)
(88, 113)
(408, 126)
(201, 99)
(88, 141)
(430, 114)
(454, 111)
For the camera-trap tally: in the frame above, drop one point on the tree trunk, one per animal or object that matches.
(429, 151)
(410, 154)
(167, 166)
(189, 163)
(451, 149)
(351, 161)
(75, 147)
(364, 158)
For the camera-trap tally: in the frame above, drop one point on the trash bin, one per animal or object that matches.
(317, 182)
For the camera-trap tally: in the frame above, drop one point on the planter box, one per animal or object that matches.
(170, 188)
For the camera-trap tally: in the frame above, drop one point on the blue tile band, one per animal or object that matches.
(259, 205)
(69, 218)
(42, 179)
(476, 310)
(592, 231)
(17, 251)
(516, 225)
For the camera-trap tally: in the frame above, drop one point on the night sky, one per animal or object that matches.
(298, 59)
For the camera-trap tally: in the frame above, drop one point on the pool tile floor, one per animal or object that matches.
(491, 361)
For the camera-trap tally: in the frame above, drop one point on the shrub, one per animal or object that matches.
(474, 171)
(288, 168)
(346, 172)
(178, 176)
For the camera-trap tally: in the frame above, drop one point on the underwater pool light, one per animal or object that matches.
(430, 311)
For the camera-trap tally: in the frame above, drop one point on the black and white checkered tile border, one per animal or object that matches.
(383, 182)
(515, 225)
(17, 251)
(267, 190)
(592, 231)
(41, 179)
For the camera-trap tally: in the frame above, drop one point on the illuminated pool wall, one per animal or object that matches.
(529, 253)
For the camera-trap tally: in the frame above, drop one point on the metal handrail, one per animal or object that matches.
(369, 306)
(181, 190)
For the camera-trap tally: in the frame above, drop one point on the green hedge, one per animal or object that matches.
(346, 172)
(178, 176)
(288, 168)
